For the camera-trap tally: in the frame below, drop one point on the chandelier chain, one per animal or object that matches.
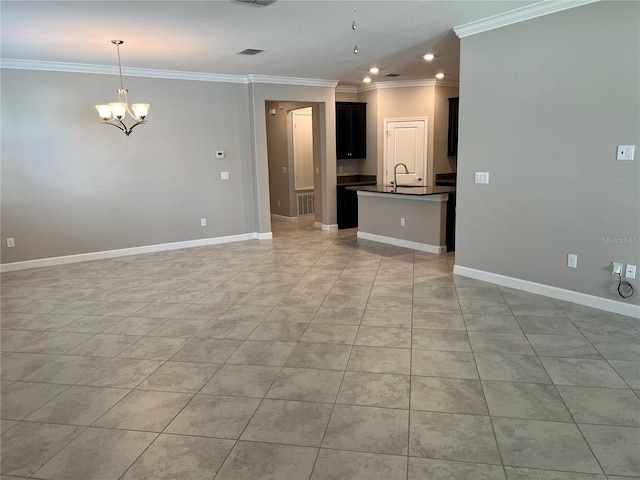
(120, 66)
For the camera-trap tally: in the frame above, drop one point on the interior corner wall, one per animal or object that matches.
(71, 185)
(370, 165)
(543, 105)
(441, 162)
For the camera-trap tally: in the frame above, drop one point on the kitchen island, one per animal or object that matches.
(411, 217)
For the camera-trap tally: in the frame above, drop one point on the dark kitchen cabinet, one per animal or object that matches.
(347, 208)
(351, 130)
(452, 138)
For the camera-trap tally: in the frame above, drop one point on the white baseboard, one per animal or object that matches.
(282, 218)
(550, 291)
(326, 227)
(398, 242)
(122, 252)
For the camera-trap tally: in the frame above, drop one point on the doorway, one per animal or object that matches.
(405, 141)
(294, 160)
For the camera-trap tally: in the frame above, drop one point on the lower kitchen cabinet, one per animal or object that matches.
(347, 206)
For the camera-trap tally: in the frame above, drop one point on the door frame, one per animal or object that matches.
(385, 136)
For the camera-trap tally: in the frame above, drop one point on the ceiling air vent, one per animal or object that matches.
(250, 51)
(257, 3)
(391, 74)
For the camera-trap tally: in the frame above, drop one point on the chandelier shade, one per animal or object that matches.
(115, 113)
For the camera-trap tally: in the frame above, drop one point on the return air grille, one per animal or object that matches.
(257, 3)
(250, 51)
(305, 204)
(391, 74)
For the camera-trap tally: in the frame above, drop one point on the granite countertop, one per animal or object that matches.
(416, 191)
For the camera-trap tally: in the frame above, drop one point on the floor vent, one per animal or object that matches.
(305, 204)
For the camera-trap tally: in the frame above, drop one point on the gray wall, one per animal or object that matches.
(543, 105)
(72, 185)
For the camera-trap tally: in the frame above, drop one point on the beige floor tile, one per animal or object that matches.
(368, 429)
(171, 457)
(214, 416)
(242, 380)
(252, 459)
(185, 377)
(144, 410)
(97, 453)
(20, 399)
(334, 464)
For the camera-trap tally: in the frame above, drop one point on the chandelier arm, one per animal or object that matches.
(114, 125)
(135, 125)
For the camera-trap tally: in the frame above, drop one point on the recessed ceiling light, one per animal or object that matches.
(429, 56)
(439, 76)
(366, 80)
(374, 70)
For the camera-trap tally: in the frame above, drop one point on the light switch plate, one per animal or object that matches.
(630, 272)
(224, 175)
(482, 177)
(572, 260)
(626, 152)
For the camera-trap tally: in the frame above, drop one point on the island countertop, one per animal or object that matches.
(414, 191)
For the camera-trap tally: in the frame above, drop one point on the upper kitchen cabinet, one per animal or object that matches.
(452, 139)
(351, 130)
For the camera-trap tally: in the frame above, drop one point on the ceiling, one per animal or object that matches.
(300, 38)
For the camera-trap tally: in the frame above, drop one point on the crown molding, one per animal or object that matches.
(395, 84)
(518, 15)
(17, 64)
(405, 83)
(112, 70)
(367, 88)
(347, 89)
(447, 84)
(307, 82)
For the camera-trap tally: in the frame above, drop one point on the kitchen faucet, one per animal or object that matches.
(395, 175)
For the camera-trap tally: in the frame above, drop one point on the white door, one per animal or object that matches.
(405, 141)
(303, 148)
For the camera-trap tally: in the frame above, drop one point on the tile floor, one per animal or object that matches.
(312, 356)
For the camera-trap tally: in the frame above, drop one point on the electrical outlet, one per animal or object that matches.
(220, 154)
(284, 169)
(625, 152)
(617, 269)
(203, 222)
(572, 260)
(278, 203)
(402, 222)
(317, 170)
(11, 242)
(224, 175)
(340, 169)
(630, 272)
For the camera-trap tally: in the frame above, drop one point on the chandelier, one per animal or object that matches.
(114, 113)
